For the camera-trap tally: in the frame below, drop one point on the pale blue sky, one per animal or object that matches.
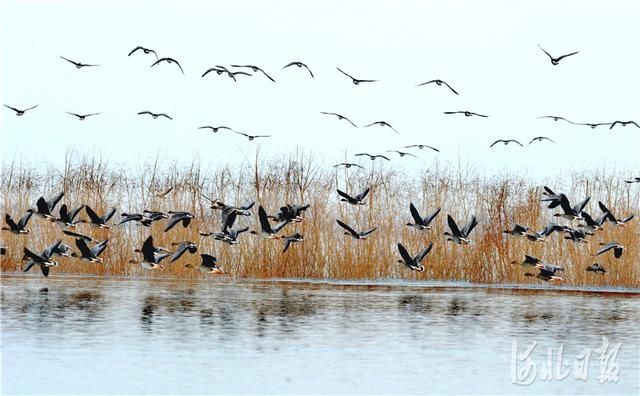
(487, 50)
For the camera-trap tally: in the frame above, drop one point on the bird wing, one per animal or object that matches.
(382, 156)
(473, 222)
(603, 208)
(12, 224)
(287, 243)
(365, 233)
(564, 56)
(265, 73)
(565, 205)
(289, 64)
(453, 226)
(405, 255)
(94, 217)
(348, 120)
(12, 108)
(175, 219)
(24, 220)
(543, 50)
(69, 60)
(228, 217)
(208, 260)
(515, 141)
(578, 208)
(349, 229)
(248, 206)
(496, 142)
(449, 86)
(99, 248)
(109, 215)
(134, 50)
(54, 201)
(30, 108)
(264, 220)
(42, 206)
(429, 219)
(345, 195)
(606, 248)
(415, 214)
(425, 83)
(179, 252)
(307, 67)
(346, 74)
(423, 254)
(165, 115)
(148, 251)
(84, 249)
(243, 134)
(363, 194)
(519, 228)
(480, 115)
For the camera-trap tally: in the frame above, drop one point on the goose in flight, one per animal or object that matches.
(233, 75)
(413, 262)
(252, 137)
(81, 117)
(288, 240)
(517, 230)
(372, 157)
(402, 153)
(20, 227)
(78, 65)
(633, 180)
(353, 233)
(529, 261)
(421, 146)
(91, 254)
(382, 124)
(555, 61)
(290, 213)
(299, 64)
(151, 259)
(43, 260)
(45, 208)
(218, 69)
(99, 221)
(547, 272)
(595, 124)
(154, 115)
(255, 69)
(557, 118)
(541, 236)
(539, 139)
(571, 213)
(80, 236)
(357, 200)
(182, 248)
(609, 216)
(147, 51)
(169, 61)
(592, 224)
(439, 83)
(624, 124)
(215, 129)
(66, 218)
(551, 197)
(340, 117)
(617, 249)
(266, 231)
(177, 217)
(466, 113)
(228, 236)
(597, 268)
(20, 112)
(355, 81)
(460, 236)
(208, 265)
(241, 210)
(577, 235)
(506, 142)
(420, 223)
(347, 165)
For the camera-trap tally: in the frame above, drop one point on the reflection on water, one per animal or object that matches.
(136, 336)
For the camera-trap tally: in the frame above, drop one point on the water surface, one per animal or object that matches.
(90, 335)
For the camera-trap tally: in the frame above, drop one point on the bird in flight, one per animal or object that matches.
(20, 112)
(439, 83)
(78, 64)
(169, 61)
(557, 118)
(596, 124)
(299, 64)
(466, 113)
(145, 50)
(555, 61)
(155, 115)
(624, 124)
(355, 81)
(421, 146)
(539, 139)
(215, 129)
(340, 117)
(348, 165)
(353, 233)
(81, 117)
(373, 156)
(255, 69)
(633, 180)
(382, 124)
(218, 69)
(357, 200)
(413, 262)
(251, 137)
(401, 153)
(617, 249)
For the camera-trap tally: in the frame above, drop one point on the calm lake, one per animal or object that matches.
(85, 335)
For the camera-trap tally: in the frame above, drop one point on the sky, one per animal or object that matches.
(487, 50)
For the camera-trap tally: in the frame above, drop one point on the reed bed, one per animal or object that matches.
(498, 202)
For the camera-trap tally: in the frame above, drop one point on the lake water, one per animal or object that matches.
(85, 335)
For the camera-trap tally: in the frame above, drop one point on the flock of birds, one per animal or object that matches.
(582, 225)
(90, 249)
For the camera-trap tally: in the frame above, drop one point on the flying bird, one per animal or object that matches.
(78, 64)
(91, 254)
(20, 112)
(557, 118)
(421, 146)
(340, 117)
(177, 217)
(45, 208)
(208, 265)
(218, 69)
(353, 233)
(547, 272)
(382, 124)
(355, 81)
(555, 61)
(517, 230)
(151, 257)
(67, 217)
(373, 156)
(609, 216)
(347, 165)
(288, 240)
(266, 230)
(401, 153)
(251, 137)
(215, 129)
(460, 236)
(357, 200)
(439, 83)
(624, 124)
(539, 139)
(596, 124)
(507, 141)
(20, 227)
(571, 213)
(169, 61)
(421, 223)
(617, 249)
(413, 262)
(182, 248)
(43, 260)
(81, 117)
(597, 268)
(299, 64)
(147, 51)
(466, 113)
(255, 69)
(529, 261)
(633, 180)
(99, 221)
(155, 115)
